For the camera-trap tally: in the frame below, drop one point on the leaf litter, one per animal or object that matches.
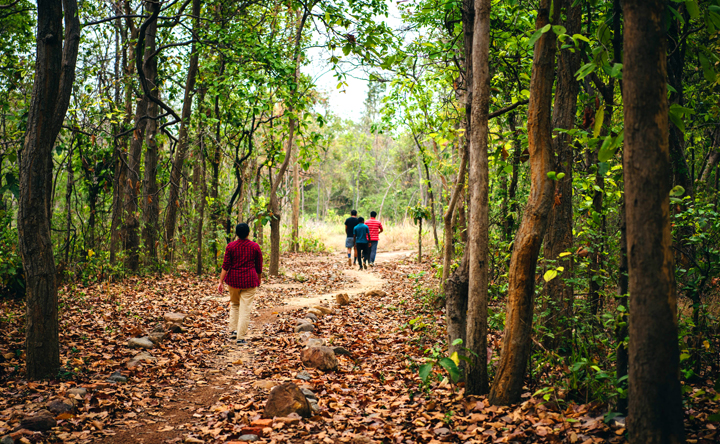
(202, 388)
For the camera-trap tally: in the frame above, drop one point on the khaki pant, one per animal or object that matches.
(240, 306)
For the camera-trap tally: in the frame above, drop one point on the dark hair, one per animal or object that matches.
(361, 219)
(373, 214)
(353, 212)
(242, 230)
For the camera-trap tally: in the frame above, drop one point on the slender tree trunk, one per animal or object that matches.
(655, 404)
(559, 236)
(274, 267)
(68, 200)
(150, 198)
(419, 259)
(183, 144)
(54, 76)
(296, 205)
(523, 263)
(449, 218)
(120, 147)
(203, 189)
(621, 364)
(432, 205)
(509, 222)
(479, 223)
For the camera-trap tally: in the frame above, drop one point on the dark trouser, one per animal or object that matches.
(363, 252)
(373, 251)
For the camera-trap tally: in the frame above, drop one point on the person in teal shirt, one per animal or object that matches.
(362, 242)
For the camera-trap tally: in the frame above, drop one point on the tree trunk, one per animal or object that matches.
(274, 267)
(419, 241)
(523, 263)
(456, 305)
(621, 363)
(54, 76)
(120, 146)
(655, 402)
(183, 143)
(296, 206)
(509, 222)
(559, 236)
(449, 218)
(150, 198)
(68, 200)
(203, 189)
(479, 222)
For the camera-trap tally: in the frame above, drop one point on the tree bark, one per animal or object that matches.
(183, 143)
(54, 76)
(419, 258)
(449, 218)
(655, 404)
(68, 200)
(150, 198)
(523, 263)
(296, 206)
(621, 360)
(478, 186)
(559, 236)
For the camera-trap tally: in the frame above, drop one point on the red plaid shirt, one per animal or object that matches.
(243, 262)
(374, 226)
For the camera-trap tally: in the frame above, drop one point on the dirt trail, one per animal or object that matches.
(169, 425)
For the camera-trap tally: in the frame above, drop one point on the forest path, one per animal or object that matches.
(171, 422)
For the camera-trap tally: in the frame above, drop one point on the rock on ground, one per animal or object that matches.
(342, 299)
(175, 318)
(312, 317)
(305, 376)
(322, 309)
(77, 391)
(157, 337)
(315, 342)
(376, 293)
(315, 312)
(143, 342)
(42, 421)
(321, 358)
(140, 358)
(304, 327)
(60, 406)
(286, 399)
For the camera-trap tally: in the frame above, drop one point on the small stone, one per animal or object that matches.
(262, 423)
(175, 318)
(59, 406)
(158, 337)
(314, 405)
(342, 299)
(312, 317)
(143, 342)
(190, 439)
(117, 377)
(159, 328)
(7, 439)
(304, 375)
(140, 358)
(265, 384)
(304, 327)
(175, 328)
(315, 312)
(315, 342)
(442, 431)
(252, 431)
(376, 293)
(42, 421)
(321, 358)
(341, 351)
(286, 399)
(248, 438)
(77, 391)
(323, 309)
(308, 394)
(290, 419)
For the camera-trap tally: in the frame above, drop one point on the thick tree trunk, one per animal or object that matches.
(54, 76)
(655, 410)
(478, 186)
(456, 305)
(150, 198)
(523, 263)
(183, 144)
(559, 236)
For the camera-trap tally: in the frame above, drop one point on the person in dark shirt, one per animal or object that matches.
(350, 223)
(241, 271)
(362, 242)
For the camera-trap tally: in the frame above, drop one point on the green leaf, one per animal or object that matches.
(692, 7)
(599, 117)
(585, 70)
(560, 176)
(457, 341)
(551, 175)
(550, 275)
(684, 357)
(564, 253)
(452, 368)
(708, 72)
(424, 371)
(534, 38)
(559, 30)
(616, 71)
(606, 150)
(677, 191)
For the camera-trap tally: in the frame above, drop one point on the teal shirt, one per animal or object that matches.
(362, 234)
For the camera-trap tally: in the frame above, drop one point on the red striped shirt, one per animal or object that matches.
(375, 226)
(243, 262)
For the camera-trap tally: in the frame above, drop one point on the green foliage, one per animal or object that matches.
(12, 278)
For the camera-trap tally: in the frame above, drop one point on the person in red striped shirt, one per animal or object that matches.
(375, 227)
(241, 270)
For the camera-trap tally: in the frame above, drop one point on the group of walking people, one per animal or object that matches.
(362, 237)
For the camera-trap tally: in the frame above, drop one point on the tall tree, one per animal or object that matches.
(183, 140)
(523, 262)
(655, 403)
(478, 186)
(54, 76)
(559, 237)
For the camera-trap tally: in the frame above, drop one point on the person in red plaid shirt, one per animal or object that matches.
(241, 270)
